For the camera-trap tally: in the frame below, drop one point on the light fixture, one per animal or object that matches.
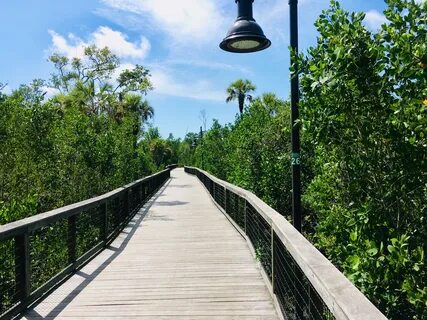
(245, 35)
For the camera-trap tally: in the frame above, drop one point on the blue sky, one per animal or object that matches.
(177, 40)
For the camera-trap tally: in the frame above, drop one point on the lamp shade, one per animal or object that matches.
(245, 35)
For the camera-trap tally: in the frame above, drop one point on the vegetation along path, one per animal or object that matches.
(179, 258)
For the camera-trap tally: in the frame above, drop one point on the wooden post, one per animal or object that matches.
(22, 267)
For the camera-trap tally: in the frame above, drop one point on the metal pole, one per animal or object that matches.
(201, 142)
(295, 141)
(295, 138)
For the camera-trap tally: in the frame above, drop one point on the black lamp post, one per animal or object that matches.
(247, 36)
(201, 143)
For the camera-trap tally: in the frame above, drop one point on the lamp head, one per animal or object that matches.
(245, 35)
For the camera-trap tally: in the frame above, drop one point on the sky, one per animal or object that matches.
(176, 40)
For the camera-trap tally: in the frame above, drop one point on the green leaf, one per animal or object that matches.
(353, 235)
(372, 252)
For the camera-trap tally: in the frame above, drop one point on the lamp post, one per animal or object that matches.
(201, 143)
(246, 36)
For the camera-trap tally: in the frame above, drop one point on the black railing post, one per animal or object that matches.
(104, 216)
(245, 209)
(72, 240)
(22, 267)
(141, 195)
(126, 204)
(145, 192)
(272, 257)
(225, 199)
(117, 212)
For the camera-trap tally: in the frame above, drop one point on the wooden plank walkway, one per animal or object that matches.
(179, 258)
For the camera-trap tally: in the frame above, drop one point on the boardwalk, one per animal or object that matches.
(180, 258)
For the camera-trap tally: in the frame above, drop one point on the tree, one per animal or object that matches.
(87, 82)
(239, 90)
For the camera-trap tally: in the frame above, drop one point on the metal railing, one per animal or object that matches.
(40, 252)
(172, 166)
(304, 284)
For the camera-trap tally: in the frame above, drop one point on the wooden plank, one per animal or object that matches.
(179, 258)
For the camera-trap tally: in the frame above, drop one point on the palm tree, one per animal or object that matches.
(240, 90)
(135, 103)
(146, 111)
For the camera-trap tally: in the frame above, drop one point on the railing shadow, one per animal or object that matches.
(88, 278)
(182, 186)
(170, 203)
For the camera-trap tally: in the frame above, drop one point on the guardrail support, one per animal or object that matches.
(22, 266)
(272, 257)
(72, 241)
(225, 199)
(126, 204)
(104, 217)
(245, 214)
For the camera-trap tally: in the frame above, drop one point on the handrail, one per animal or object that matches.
(35, 221)
(306, 284)
(40, 252)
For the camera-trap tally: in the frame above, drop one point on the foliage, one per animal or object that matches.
(85, 140)
(362, 112)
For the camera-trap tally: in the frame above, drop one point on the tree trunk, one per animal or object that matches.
(241, 102)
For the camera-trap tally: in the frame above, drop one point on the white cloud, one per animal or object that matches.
(374, 19)
(73, 46)
(165, 83)
(50, 92)
(185, 20)
(208, 65)
(118, 43)
(61, 45)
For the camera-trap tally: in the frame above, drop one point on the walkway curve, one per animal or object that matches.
(179, 258)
